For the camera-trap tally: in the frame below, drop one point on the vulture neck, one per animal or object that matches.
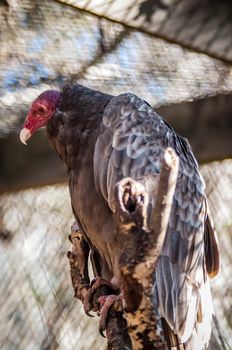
(74, 128)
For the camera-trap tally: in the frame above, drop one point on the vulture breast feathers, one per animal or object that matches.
(131, 143)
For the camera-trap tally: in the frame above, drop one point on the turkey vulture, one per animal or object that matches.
(102, 139)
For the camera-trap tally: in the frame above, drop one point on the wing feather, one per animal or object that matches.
(135, 138)
(211, 248)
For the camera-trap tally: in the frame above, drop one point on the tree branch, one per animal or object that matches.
(140, 236)
(140, 248)
(116, 328)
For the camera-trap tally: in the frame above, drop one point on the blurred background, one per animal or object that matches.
(175, 54)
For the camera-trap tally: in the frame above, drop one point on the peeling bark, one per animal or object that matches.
(78, 260)
(140, 247)
(116, 328)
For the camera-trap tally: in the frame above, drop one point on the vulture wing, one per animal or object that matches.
(131, 143)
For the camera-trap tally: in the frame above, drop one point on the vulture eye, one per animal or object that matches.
(41, 110)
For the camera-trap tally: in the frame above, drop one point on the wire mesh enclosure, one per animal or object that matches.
(46, 44)
(38, 310)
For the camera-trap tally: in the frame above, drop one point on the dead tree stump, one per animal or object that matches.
(140, 247)
(116, 328)
(140, 243)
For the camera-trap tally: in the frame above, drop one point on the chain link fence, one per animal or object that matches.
(38, 310)
(39, 52)
(45, 44)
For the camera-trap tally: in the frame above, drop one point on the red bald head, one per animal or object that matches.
(41, 110)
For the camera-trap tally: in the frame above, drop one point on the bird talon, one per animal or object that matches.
(88, 308)
(97, 288)
(102, 333)
(106, 303)
(89, 314)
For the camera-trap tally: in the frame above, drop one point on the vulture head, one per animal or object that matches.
(42, 109)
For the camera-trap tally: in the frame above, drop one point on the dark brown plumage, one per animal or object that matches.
(102, 139)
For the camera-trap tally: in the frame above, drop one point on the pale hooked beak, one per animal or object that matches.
(25, 134)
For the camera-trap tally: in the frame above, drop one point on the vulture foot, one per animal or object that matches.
(99, 287)
(106, 303)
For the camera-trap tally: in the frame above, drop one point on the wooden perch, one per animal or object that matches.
(140, 247)
(78, 260)
(116, 328)
(140, 243)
